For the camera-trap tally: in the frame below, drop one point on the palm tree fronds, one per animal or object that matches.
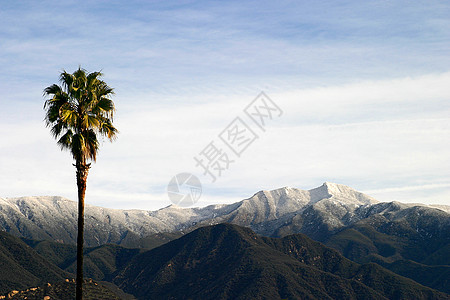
(78, 147)
(66, 80)
(68, 116)
(92, 145)
(105, 90)
(92, 78)
(105, 105)
(78, 110)
(53, 89)
(57, 129)
(65, 142)
(109, 130)
(90, 121)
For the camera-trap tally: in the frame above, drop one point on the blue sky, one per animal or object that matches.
(364, 87)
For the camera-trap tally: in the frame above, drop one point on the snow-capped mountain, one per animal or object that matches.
(283, 211)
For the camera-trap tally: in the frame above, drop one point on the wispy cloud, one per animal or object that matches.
(364, 87)
(323, 135)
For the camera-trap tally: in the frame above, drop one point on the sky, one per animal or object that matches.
(356, 93)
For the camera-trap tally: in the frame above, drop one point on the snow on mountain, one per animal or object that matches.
(56, 218)
(445, 208)
(275, 213)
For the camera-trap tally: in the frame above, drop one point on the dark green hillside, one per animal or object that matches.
(412, 242)
(60, 254)
(316, 254)
(22, 267)
(313, 253)
(154, 240)
(436, 277)
(99, 262)
(231, 262)
(439, 257)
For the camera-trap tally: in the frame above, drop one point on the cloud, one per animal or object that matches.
(333, 139)
(363, 86)
(434, 193)
(217, 47)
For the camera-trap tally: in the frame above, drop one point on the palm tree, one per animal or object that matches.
(77, 112)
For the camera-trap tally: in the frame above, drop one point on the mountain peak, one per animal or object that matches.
(330, 190)
(335, 189)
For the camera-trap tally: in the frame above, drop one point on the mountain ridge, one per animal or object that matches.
(402, 237)
(227, 261)
(274, 213)
(223, 261)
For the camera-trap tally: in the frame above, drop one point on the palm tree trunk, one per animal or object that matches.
(82, 173)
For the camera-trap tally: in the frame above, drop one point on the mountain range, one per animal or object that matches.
(316, 212)
(231, 262)
(411, 240)
(221, 261)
